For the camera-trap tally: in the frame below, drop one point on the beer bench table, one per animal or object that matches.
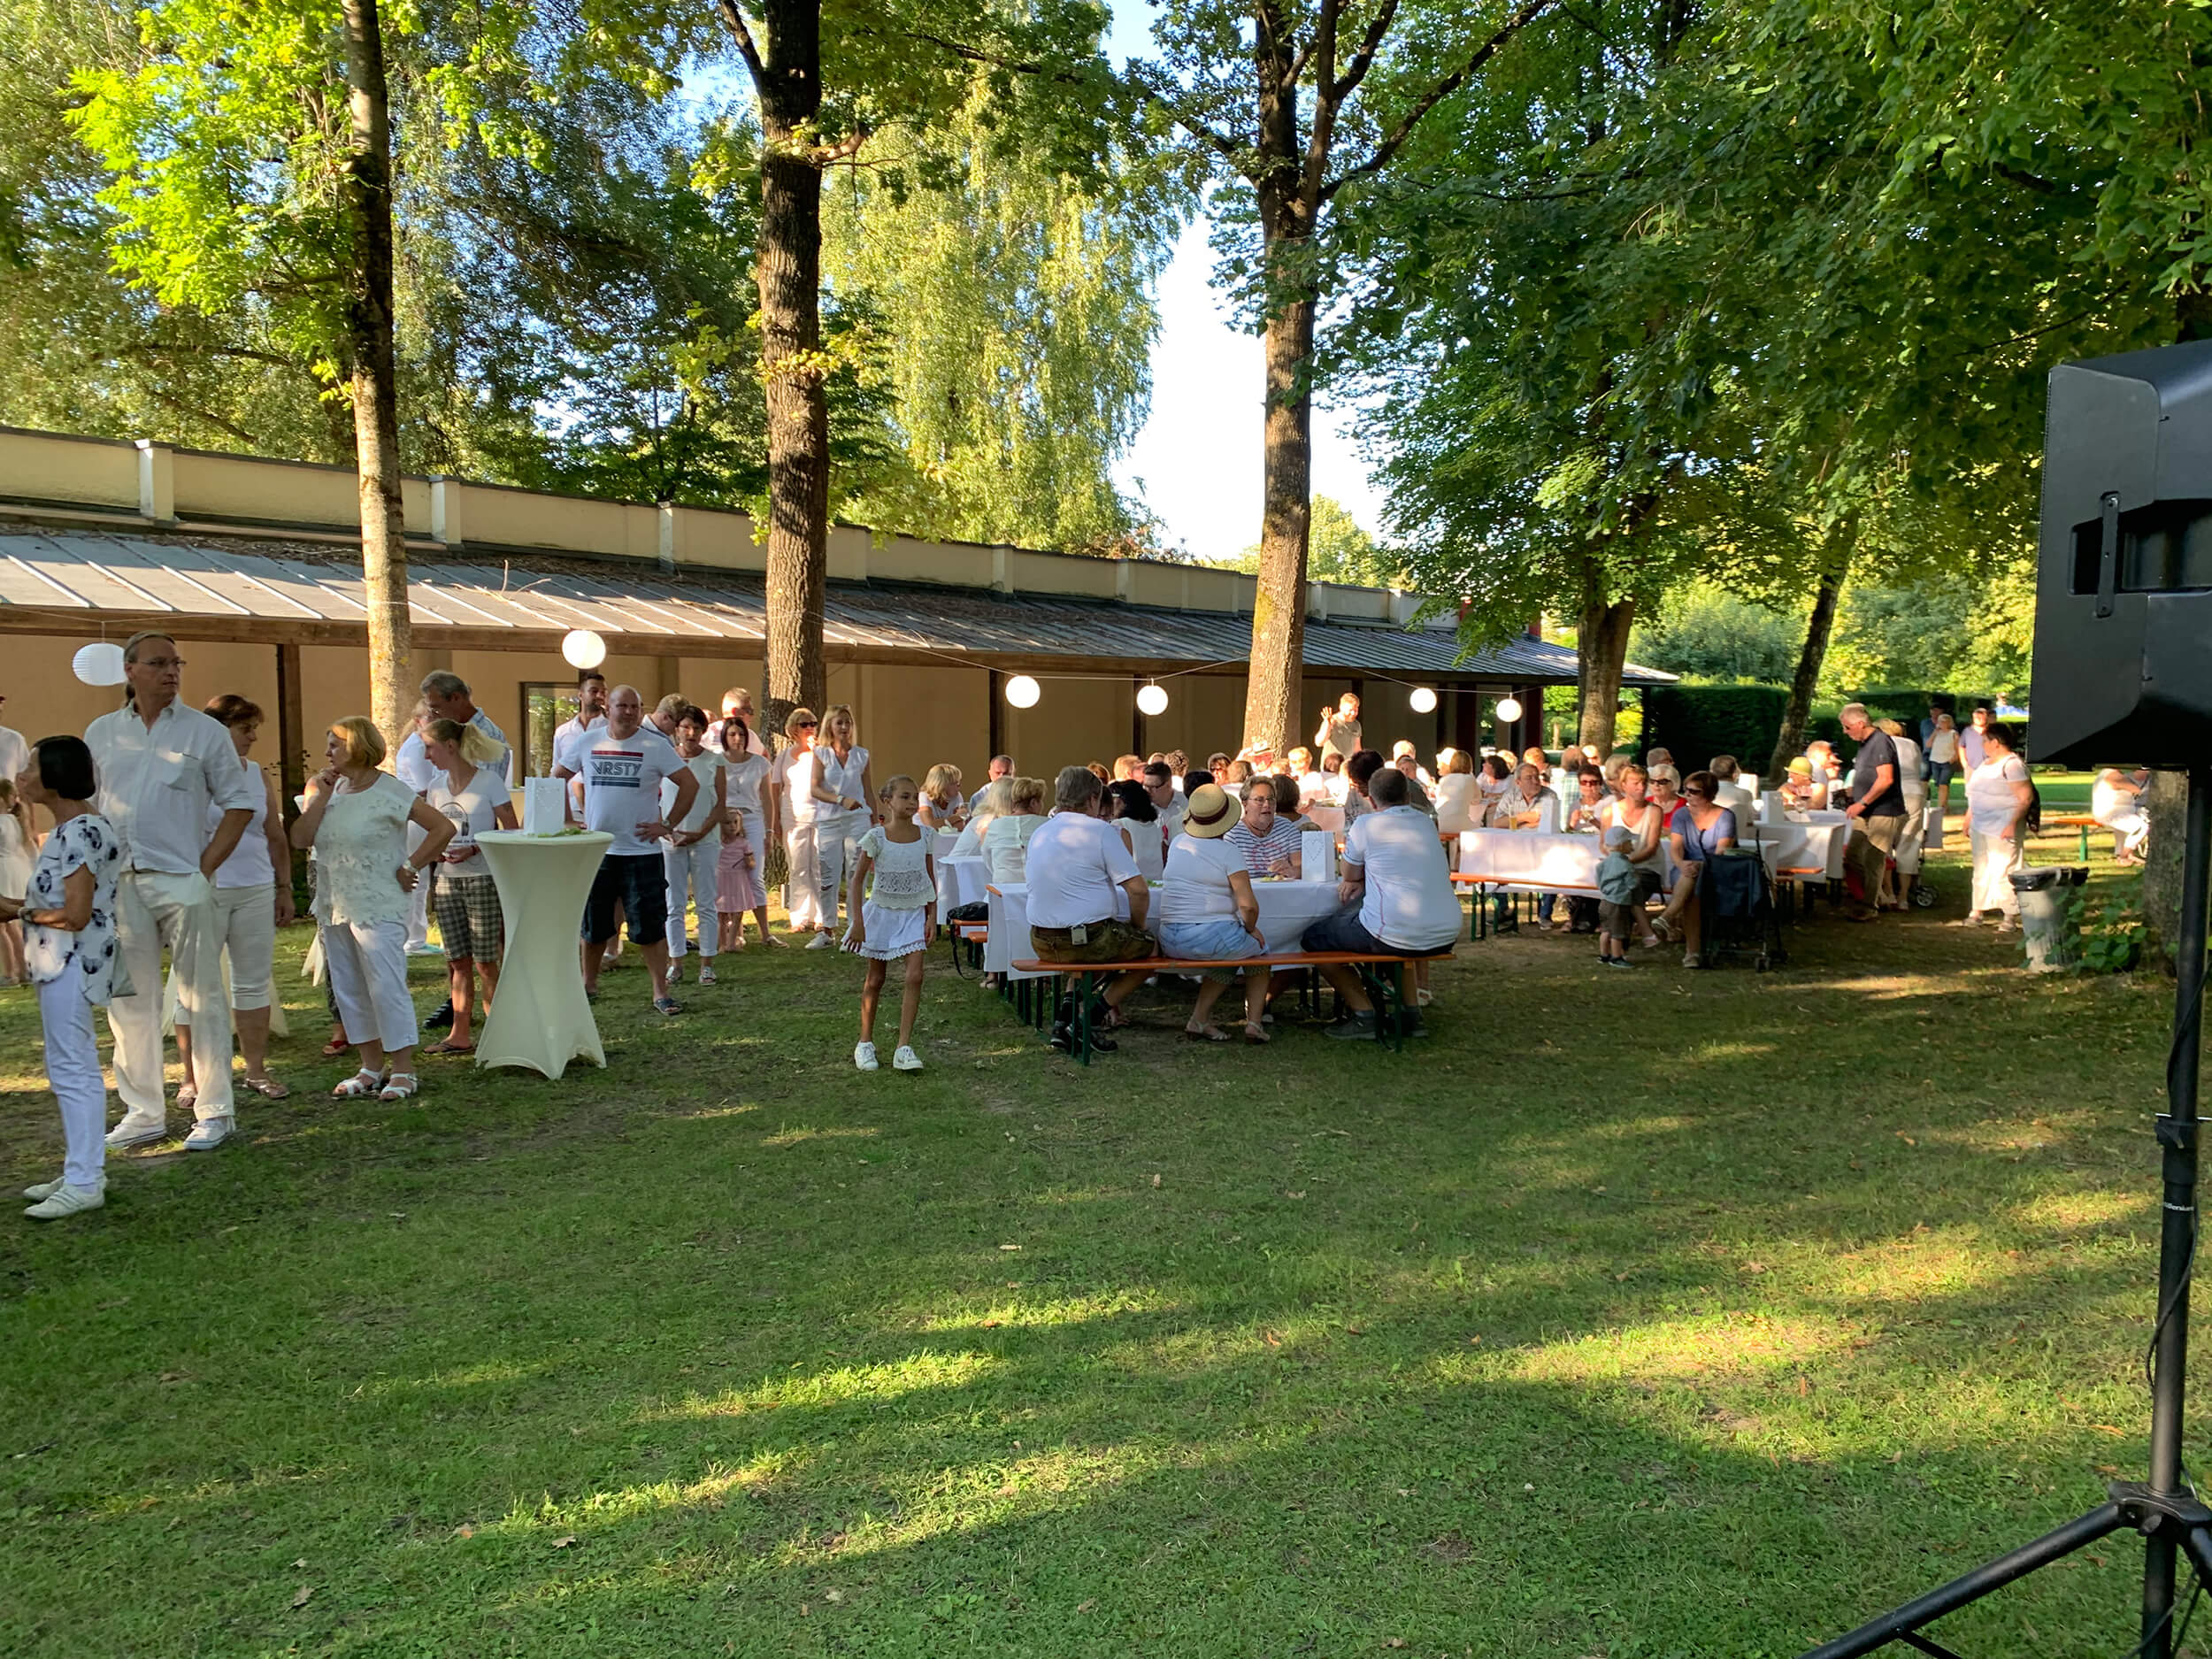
(1394, 1011)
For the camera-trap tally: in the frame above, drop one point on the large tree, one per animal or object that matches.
(1292, 104)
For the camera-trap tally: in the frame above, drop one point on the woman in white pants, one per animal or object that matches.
(793, 787)
(250, 904)
(844, 795)
(1998, 794)
(357, 819)
(69, 945)
(692, 853)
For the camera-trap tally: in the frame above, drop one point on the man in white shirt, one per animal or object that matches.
(161, 765)
(1001, 766)
(618, 770)
(737, 702)
(1159, 788)
(591, 708)
(1079, 869)
(1971, 753)
(1397, 897)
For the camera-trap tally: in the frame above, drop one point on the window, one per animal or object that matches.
(546, 704)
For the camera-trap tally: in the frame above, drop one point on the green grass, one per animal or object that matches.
(1644, 1315)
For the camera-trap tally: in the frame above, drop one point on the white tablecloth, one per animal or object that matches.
(959, 881)
(1816, 844)
(1527, 861)
(540, 1019)
(1286, 908)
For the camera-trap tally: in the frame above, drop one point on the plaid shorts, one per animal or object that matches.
(467, 909)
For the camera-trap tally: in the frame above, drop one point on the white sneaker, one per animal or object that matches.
(706, 973)
(821, 941)
(67, 1201)
(865, 1055)
(906, 1060)
(209, 1134)
(44, 1189)
(134, 1131)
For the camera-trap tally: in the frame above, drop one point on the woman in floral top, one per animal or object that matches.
(68, 918)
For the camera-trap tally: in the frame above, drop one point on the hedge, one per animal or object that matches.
(1696, 722)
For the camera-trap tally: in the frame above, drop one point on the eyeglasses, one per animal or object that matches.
(160, 664)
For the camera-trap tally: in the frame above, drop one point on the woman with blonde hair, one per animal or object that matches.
(993, 800)
(356, 819)
(793, 805)
(943, 806)
(469, 792)
(1457, 806)
(844, 795)
(1006, 840)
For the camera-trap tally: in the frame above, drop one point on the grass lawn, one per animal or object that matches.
(1677, 1315)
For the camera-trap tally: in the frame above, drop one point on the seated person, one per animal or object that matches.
(1458, 806)
(1359, 770)
(1208, 912)
(1167, 800)
(1731, 794)
(1525, 805)
(1006, 840)
(1411, 770)
(993, 800)
(1397, 895)
(2116, 801)
(1194, 778)
(1654, 758)
(1290, 807)
(1403, 749)
(1080, 870)
(1800, 791)
(1701, 828)
(1492, 778)
(1582, 816)
(1820, 754)
(1129, 809)
(1269, 846)
(1236, 777)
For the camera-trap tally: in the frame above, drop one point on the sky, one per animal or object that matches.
(1196, 463)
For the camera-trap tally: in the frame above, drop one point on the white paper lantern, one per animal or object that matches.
(1152, 699)
(1509, 709)
(100, 665)
(1424, 699)
(1023, 692)
(583, 648)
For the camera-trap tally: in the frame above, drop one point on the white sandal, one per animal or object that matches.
(399, 1086)
(360, 1086)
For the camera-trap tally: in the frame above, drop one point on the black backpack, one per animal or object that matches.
(2032, 820)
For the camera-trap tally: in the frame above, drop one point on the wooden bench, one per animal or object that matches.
(1394, 1011)
(2058, 824)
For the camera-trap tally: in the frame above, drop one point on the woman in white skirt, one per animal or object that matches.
(1997, 796)
(747, 830)
(253, 898)
(692, 854)
(842, 793)
(894, 921)
(15, 878)
(68, 912)
(357, 819)
(795, 808)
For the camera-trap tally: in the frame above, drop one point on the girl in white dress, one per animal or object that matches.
(15, 879)
(746, 834)
(896, 918)
(843, 790)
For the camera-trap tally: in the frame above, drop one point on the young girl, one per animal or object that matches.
(896, 920)
(692, 854)
(943, 806)
(739, 887)
(15, 879)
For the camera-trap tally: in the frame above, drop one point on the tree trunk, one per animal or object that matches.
(1602, 648)
(368, 207)
(1276, 675)
(788, 267)
(1835, 567)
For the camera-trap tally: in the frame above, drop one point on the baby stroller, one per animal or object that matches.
(1740, 913)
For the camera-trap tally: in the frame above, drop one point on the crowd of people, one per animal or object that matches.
(169, 840)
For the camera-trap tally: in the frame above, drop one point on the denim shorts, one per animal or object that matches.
(639, 883)
(1222, 939)
(1941, 773)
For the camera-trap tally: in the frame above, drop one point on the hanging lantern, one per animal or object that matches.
(99, 664)
(1023, 692)
(1152, 699)
(580, 648)
(1509, 709)
(1424, 699)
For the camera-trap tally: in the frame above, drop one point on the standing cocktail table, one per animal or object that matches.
(541, 1017)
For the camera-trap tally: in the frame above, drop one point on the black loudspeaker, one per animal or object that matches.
(2124, 585)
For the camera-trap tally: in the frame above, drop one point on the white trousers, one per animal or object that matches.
(72, 1071)
(2133, 828)
(245, 926)
(368, 975)
(154, 912)
(692, 874)
(418, 901)
(1994, 861)
(802, 884)
(836, 851)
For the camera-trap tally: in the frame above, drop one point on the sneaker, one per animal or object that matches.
(1617, 961)
(865, 1055)
(209, 1134)
(821, 941)
(44, 1189)
(667, 1005)
(1357, 1025)
(134, 1131)
(442, 1019)
(906, 1060)
(67, 1201)
(706, 973)
(676, 971)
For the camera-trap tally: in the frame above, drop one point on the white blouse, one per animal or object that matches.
(360, 846)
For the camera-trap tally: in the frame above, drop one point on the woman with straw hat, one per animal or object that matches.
(1208, 912)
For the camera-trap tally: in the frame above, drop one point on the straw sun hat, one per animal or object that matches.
(1210, 812)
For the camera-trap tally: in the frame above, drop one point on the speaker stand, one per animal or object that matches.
(2164, 1508)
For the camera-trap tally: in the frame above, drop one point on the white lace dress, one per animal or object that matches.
(900, 890)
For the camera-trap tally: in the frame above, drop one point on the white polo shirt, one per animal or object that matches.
(156, 782)
(1076, 866)
(1408, 904)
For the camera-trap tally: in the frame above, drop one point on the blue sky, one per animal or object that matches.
(1197, 461)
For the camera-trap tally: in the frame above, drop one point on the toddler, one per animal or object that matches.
(1617, 894)
(895, 923)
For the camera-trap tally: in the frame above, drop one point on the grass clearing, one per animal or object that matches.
(1649, 1315)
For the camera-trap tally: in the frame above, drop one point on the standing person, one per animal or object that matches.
(1997, 796)
(15, 753)
(1079, 869)
(1339, 733)
(692, 854)
(413, 768)
(737, 704)
(666, 714)
(1267, 843)
(591, 709)
(1973, 742)
(1620, 899)
(253, 898)
(747, 830)
(844, 792)
(445, 696)
(15, 875)
(68, 916)
(619, 775)
(470, 792)
(1943, 765)
(1877, 807)
(160, 767)
(1904, 870)
(794, 807)
(1397, 899)
(1210, 913)
(1702, 829)
(357, 819)
(894, 912)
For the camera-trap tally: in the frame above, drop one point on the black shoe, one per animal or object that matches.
(442, 1019)
(1063, 1040)
(1357, 1025)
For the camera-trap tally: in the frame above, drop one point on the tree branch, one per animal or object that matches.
(1227, 146)
(1387, 149)
(735, 20)
(1364, 59)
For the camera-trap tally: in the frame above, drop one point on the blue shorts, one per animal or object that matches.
(1941, 772)
(639, 883)
(1220, 940)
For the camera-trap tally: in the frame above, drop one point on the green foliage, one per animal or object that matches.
(1706, 632)
(1339, 550)
(1696, 722)
(2109, 933)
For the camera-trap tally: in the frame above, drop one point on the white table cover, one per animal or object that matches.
(1286, 910)
(959, 881)
(1528, 860)
(540, 1019)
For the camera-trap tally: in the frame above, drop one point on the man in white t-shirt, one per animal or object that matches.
(591, 708)
(1396, 893)
(618, 768)
(1079, 869)
(1972, 752)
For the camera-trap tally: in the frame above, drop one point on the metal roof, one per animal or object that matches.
(215, 582)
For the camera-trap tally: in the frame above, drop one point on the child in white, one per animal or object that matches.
(692, 852)
(896, 919)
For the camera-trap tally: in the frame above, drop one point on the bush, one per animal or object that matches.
(1699, 722)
